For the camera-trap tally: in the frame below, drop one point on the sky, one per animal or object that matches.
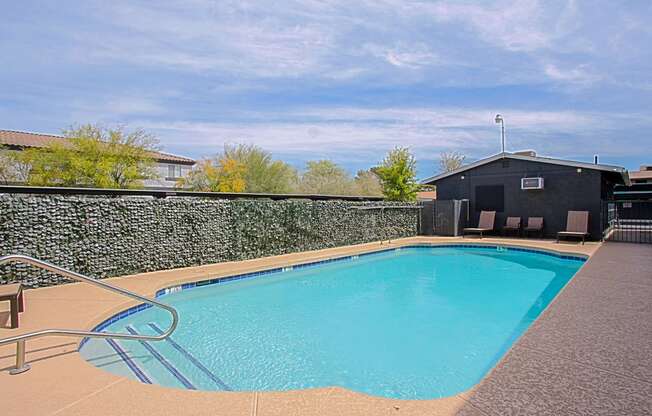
(338, 79)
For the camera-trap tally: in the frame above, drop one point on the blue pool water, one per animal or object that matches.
(413, 323)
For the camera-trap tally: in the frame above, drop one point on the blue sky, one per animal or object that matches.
(339, 79)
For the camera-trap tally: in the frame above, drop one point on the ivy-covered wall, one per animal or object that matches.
(103, 237)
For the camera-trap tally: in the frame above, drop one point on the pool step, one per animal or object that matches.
(127, 359)
(140, 358)
(171, 363)
(130, 362)
(164, 361)
(191, 358)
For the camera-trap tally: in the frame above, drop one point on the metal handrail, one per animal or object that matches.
(22, 366)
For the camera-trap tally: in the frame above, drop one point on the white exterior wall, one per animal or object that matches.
(164, 180)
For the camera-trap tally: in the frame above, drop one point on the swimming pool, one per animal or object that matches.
(416, 322)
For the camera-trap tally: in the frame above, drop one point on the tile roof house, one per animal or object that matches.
(169, 167)
(644, 175)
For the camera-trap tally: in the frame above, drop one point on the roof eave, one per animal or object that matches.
(430, 180)
(603, 168)
(177, 162)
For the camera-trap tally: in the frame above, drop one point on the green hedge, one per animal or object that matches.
(105, 237)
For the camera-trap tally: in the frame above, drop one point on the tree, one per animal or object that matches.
(449, 161)
(6, 167)
(230, 176)
(93, 156)
(398, 175)
(12, 170)
(325, 177)
(262, 173)
(221, 174)
(367, 183)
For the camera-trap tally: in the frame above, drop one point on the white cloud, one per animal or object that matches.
(499, 42)
(347, 132)
(526, 25)
(133, 105)
(446, 117)
(402, 55)
(579, 74)
(301, 76)
(204, 39)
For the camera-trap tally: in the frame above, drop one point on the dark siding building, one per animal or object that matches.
(494, 184)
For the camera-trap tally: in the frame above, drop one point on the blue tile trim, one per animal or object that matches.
(112, 319)
(300, 266)
(506, 248)
(220, 280)
(192, 359)
(176, 373)
(130, 363)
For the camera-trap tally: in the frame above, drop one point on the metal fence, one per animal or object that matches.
(427, 216)
(628, 221)
(450, 217)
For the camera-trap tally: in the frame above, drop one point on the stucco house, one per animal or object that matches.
(170, 168)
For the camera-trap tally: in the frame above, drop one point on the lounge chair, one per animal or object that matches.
(486, 224)
(534, 225)
(513, 224)
(577, 225)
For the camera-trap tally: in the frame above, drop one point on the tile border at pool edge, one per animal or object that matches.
(247, 275)
(223, 279)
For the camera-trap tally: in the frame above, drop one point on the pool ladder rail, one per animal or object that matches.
(22, 365)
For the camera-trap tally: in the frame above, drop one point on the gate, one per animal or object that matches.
(628, 221)
(427, 215)
(450, 217)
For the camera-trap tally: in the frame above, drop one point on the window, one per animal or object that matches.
(174, 171)
(490, 198)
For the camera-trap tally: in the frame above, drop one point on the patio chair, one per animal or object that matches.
(485, 224)
(534, 225)
(512, 224)
(577, 225)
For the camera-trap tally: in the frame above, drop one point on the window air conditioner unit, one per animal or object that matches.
(531, 183)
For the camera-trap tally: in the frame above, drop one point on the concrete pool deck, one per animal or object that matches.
(590, 352)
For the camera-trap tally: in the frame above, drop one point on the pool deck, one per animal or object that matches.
(589, 353)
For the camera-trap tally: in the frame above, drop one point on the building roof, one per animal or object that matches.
(562, 162)
(25, 139)
(643, 174)
(426, 195)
